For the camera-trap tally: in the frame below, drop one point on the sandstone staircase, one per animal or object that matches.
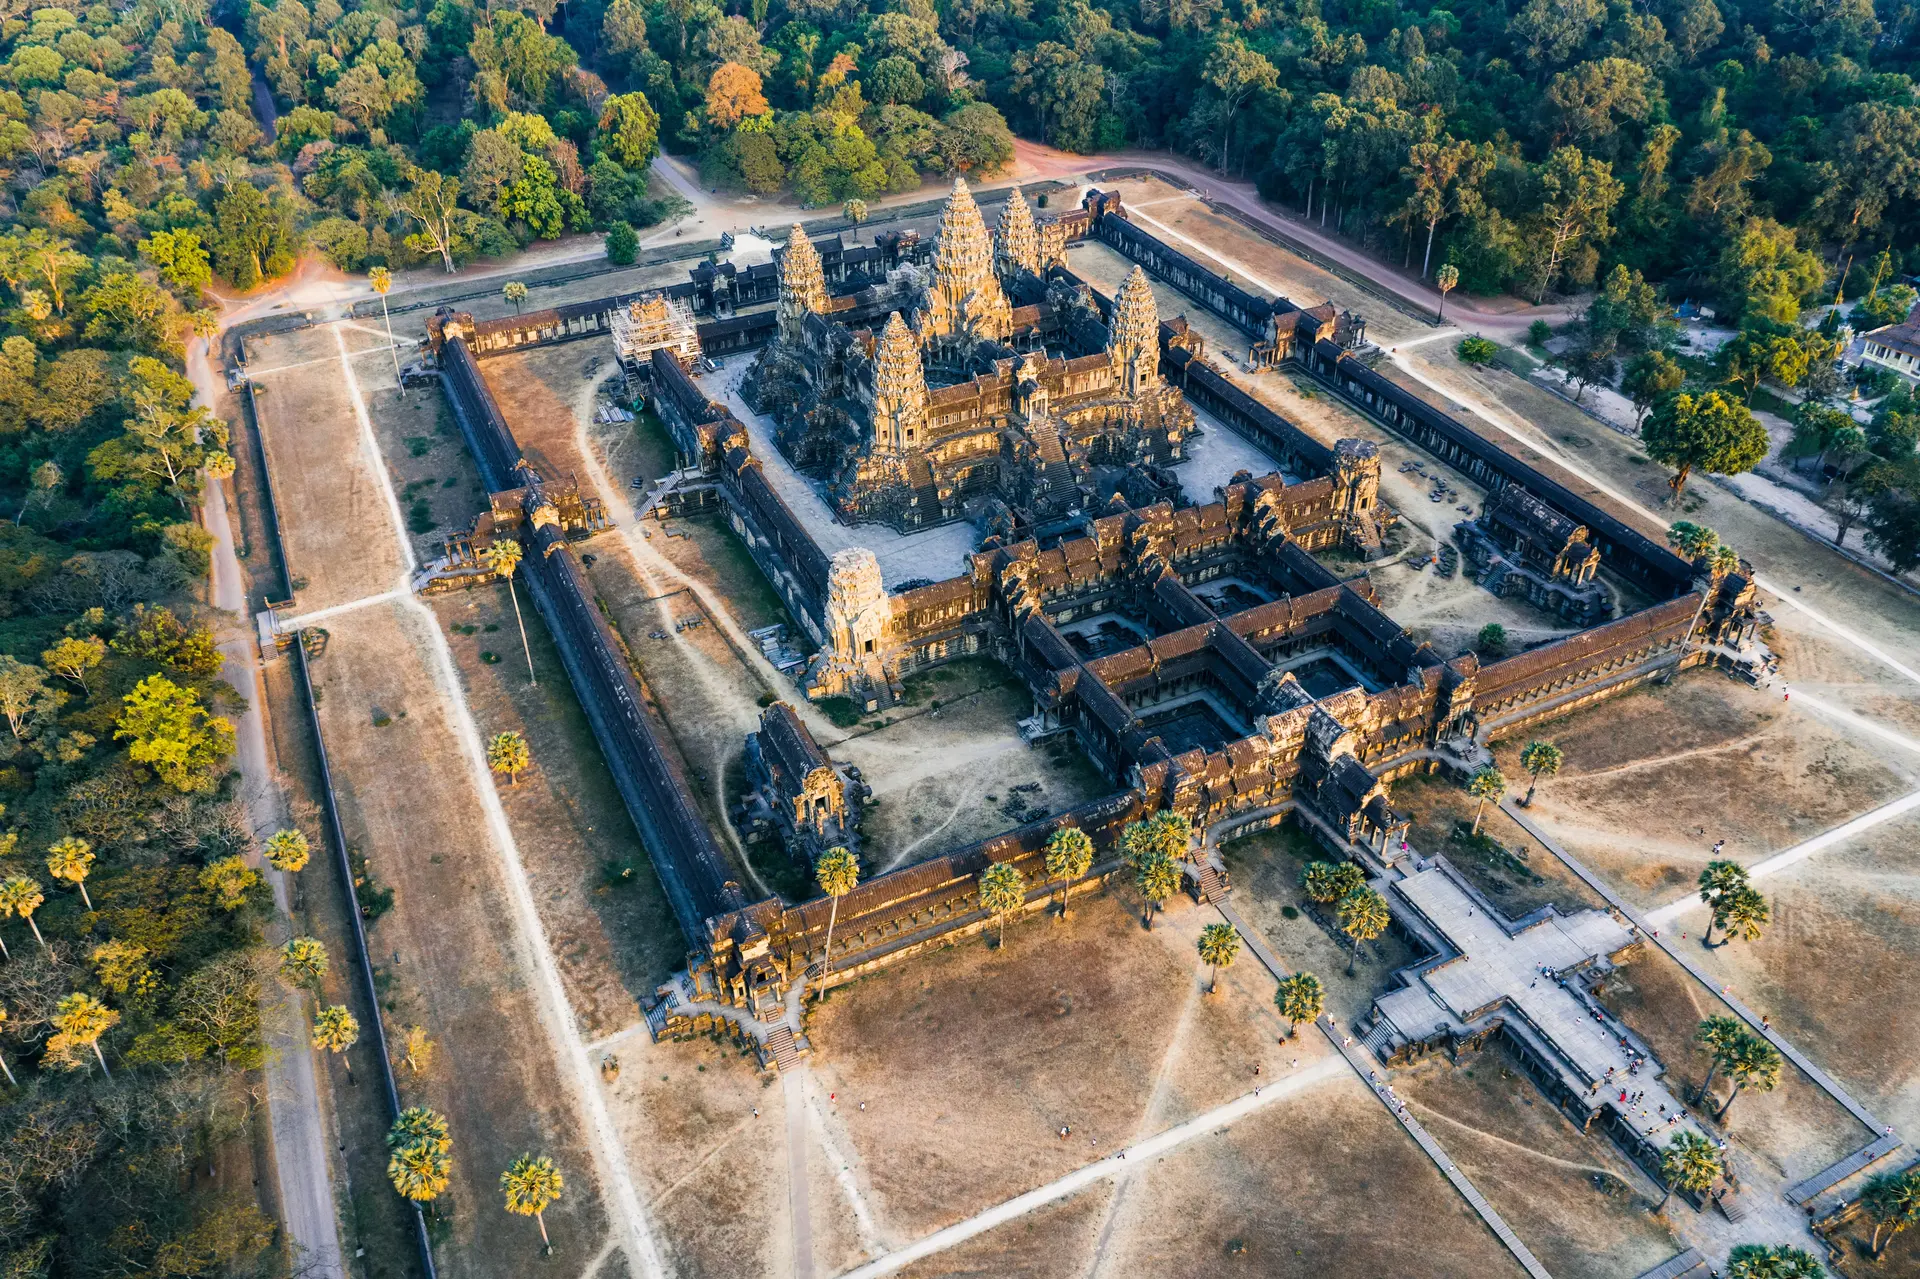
(1212, 883)
(1056, 476)
(779, 1049)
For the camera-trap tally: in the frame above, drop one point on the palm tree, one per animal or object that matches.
(1742, 913)
(11, 1081)
(303, 959)
(532, 1185)
(1772, 1261)
(1755, 1064)
(1540, 759)
(382, 279)
(836, 872)
(1157, 878)
(21, 896)
(507, 753)
(336, 1030)
(71, 859)
(1718, 1034)
(1486, 783)
(288, 850)
(79, 1021)
(1328, 882)
(1219, 943)
(1003, 889)
(420, 1126)
(1892, 1203)
(1447, 278)
(516, 295)
(1716, 881)
(1164, 834)
(1363, 917)
(1069, 857)
(502, 557)
(1690, 1163)
(420, 1173)
(1300, 998)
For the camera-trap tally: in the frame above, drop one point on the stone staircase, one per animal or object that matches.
(1212, 883)
(1056, 474)
(1730, 1206)
(779, 1050)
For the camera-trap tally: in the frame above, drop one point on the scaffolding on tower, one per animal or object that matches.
(650, 324)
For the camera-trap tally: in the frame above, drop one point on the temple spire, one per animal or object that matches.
(803, 285)
(965, 300)
(1018, 240)
(899, 390)
(1135, 329)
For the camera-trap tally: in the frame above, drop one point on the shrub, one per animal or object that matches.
(623, 245)
(1476, 350)
(1493, 638)
(1538, 332)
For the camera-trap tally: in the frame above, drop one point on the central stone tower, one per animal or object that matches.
(965, 303)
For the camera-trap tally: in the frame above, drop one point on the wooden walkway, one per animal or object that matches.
(1835, 1173)
(1687, 1263)
(1357, 1058)
(1820, 1077)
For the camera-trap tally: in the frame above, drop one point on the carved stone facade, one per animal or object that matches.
(1521, 546)
(1016, 239)
(965, 304)
(798, 795)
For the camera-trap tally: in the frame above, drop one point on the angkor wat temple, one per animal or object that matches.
(989, 391)
(1203, 657)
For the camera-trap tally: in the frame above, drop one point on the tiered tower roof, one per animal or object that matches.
(900, 390)
(1136, 334)
(965, 300)
(1019, 240)
(803, 285)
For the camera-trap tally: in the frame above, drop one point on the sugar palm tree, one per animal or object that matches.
(1003, 889)
(1157, 878)
(1300, 998)
(1717, 1035)
(1069, 857)
(79, 1021)
(336, 1030)
(1218, 945)
(837, 871)
(532, 1185)
(1742, 913)
(1446, 279)
(1754, 1064)
(1328, 882)
(1164, 834)
(420, 1126)
(288, 850)
(1772, 1261)
(1892, 1203)
(71, 859)
(382, 279)
(302, 960)
(1690, 1163)
(515, 293)
(507, 753)
(420, 1173)
(21, 896)
(1363, 917)
(1540, 759)
(1486, 783)
(1716, 881)
(502, 557)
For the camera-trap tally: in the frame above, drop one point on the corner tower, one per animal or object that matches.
(899, 390)
(1135, 328)
(965, 301)
(1017, 241)
(803, 286)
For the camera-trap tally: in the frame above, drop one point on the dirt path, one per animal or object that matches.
(579, 1079)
